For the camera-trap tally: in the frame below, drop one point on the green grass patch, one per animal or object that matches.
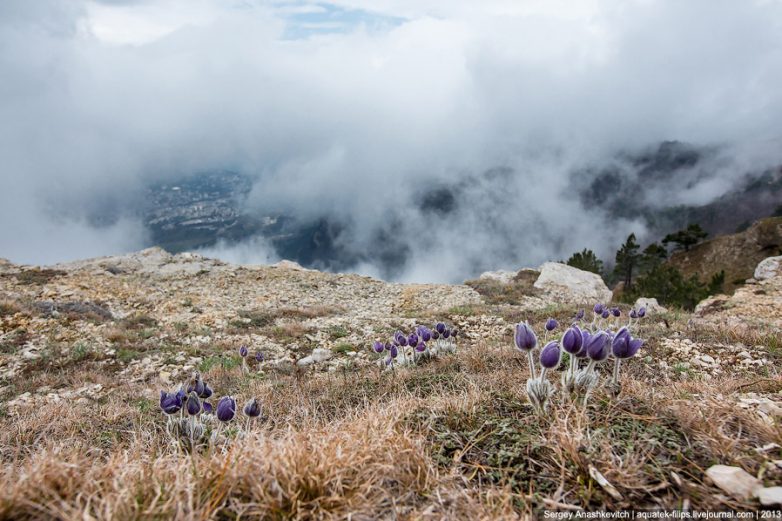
(336, 332)
(343, 348)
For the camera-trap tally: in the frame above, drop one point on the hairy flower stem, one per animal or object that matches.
(531, 358)
(616, 386)
(543, 373)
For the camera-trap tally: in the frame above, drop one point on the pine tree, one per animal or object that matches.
(586, 260)
(686, 238)
(626, 260)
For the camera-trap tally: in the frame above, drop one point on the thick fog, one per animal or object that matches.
(360, 110)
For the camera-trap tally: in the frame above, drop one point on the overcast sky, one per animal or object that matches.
(347, 108)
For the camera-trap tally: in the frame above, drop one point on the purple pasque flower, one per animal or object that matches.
(421, 346)
(193, 405)
(598, 309)
(605, 313)
(597, 346)
(454, 333)
(572, 340)
(424, 333)
(642, 312)
(551, 324)
(226, 409)
(243, 351)
(446, 333)
(633, 313)
(435, 335)
(616, 312)
(550, 355)
(524, 337)
(196, 384)
(586, 336)
(400, 338)
(259, 357)
(252, 408)
(412, 340)
(378, 347)
(394, 352)
(171, 403)
(624, 345)
(208, 409)
(207, 392)
(439, 327)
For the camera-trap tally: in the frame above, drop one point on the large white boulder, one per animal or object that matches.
(769, 268)
(564, 283)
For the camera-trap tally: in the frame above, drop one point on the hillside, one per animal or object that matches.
(737, 254)
(86, 347)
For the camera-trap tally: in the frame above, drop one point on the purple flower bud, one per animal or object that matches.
(399, 336)
(181, 396)
(259, 357)
(196, 384)
(642, 312)
(389, 360)
(440, 327)
(412, 340)
(388, 346)
(207, 392)
(550, 355)
(585, 338)
(401, 340)
(598, 309)
(435, 335)
(524, 337)
(551, 324)
(170, 402)
(226, 409)
(454, 333)
(207, 407)
(378, 347)
(243, 351)
(421, 347)
(394, 352)
(615, 312)
(252, 408)
(597, 348)
(605, 313)
(580, 314)
(193, 404)
(424, 333)
(633, 314)
(572, 340)
(625, 346)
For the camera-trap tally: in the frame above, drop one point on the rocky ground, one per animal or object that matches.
(79, 335)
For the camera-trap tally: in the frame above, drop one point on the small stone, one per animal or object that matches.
(708, 359)
(733, 480)
(769, 496)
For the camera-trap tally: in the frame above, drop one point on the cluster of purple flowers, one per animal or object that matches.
(604, 337)
(244, 352)
(422, 342)
(193, 410)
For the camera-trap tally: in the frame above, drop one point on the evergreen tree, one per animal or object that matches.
(652, 256)
(586, 260)
(627, 258)
(669, 287)
(686, 238)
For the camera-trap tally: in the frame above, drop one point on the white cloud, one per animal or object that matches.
(99, 97)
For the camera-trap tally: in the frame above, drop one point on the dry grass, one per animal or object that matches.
(453, 438)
